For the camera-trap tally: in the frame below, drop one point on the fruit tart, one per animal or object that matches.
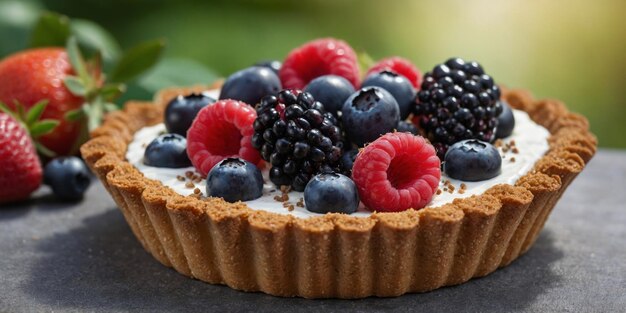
(306, 179)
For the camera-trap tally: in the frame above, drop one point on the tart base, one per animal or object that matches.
(335, 255)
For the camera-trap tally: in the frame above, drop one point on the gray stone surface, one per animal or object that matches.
(83, 257)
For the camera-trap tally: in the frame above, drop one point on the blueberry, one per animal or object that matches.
(331, 90)
(250, 85)
(234, 180)
(68, 177)
(472, 160)
(181, 111)
(369, 113)
(273, 65)
(506, 121)
(347, 160)
(168, 150)
(331, 193)
(398, 86)
(406, 127)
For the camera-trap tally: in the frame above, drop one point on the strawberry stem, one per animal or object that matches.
(31, 121)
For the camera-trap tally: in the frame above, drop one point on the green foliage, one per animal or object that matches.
(52, 29)
(93, 37)
(32, 122)
(137, 60)
(176, 72)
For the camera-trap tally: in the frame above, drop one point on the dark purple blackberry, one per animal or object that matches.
(457, 101)
(297, 137)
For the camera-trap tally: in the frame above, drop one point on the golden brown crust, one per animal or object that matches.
(335, 255)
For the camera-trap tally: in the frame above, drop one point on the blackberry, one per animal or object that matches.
(297, 137)
(457, 101)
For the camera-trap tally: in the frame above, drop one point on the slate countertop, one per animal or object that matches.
(83, 257)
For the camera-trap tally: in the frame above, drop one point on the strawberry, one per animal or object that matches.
(20, 167)
(32, 75)
(72, 87)
(20, 170)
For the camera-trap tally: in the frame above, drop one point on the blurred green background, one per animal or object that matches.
(571, 50)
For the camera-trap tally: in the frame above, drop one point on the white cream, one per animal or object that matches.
(530, 141)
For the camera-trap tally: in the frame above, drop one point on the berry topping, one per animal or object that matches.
(398, 86)
(331, 193)
(472, 160)
(506, 121)
(20, 170)
(401, 66)
(296, 135)
(331, 90)
(181, 111)
(397, 172)
(234, 179)
(347, 160)
(457, 101)
(221, 130)
(406, 127)
(273, 65)
(168, 150)
(369, 113)
(317, 58)
(250, 85)
(68, 177)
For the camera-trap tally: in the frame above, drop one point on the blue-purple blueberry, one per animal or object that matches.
(369, 113)
(472, 160)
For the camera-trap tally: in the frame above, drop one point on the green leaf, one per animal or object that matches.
(43, 150)
(17, 19)
(74, 115)
(111, 92)
(110, 107)
(77, 60)
(137, 60)
(43, 127)
(75, 85)
(5, 109)
(176, 72)
(52, 29)
(35, 112)
(21, 113)
(95, 38)
(94, 113)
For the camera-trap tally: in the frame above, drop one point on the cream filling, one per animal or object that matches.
(530, 144)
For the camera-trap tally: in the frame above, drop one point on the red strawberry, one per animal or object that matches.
(396, 172)
(326, 56)
(400, 66)
(20, 170)
(33, 75)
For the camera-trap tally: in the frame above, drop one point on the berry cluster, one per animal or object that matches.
(381, 161)
(457, 101)
(297, 137)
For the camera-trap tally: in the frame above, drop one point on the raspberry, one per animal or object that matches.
(326, 56)
(396, 172)
(221, 130)
(400, 66)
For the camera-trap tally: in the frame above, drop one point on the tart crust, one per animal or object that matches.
(336, 255)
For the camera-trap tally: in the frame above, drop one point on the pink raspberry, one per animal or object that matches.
(400, 66)
(396, 172)
(326, 56)
(221, 130)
